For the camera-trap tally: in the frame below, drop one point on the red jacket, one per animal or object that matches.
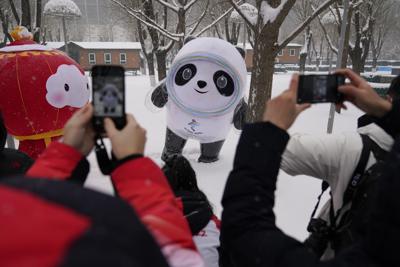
(142, 184)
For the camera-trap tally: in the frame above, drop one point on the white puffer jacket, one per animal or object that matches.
(333, 158)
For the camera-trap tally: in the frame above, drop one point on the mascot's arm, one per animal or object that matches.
(160, 95)
(240, 114)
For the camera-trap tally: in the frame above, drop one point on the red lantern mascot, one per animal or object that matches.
(40, 88)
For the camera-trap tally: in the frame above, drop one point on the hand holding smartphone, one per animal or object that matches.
(108, 83)
(320, 88)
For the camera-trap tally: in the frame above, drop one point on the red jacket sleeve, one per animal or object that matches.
(142, 184)
(57, 162)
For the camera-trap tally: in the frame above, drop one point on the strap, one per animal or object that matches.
(359, 171)
(105, 163)
(324, 187)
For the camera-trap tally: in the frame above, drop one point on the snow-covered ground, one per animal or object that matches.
(296, 196)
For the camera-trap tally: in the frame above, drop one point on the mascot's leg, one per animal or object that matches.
(210, 151)
(173, 145)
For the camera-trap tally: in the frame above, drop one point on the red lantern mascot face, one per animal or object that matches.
(40, 89)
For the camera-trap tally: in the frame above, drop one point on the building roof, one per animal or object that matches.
(248, 45)
(109, 45)
(54, 45)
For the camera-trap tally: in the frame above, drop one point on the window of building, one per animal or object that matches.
(122, 58)
(107, 58)
(292, 52)
(92, 58)
(280, 53)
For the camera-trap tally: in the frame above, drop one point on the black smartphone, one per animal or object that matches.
(108, 84)
(320, 88)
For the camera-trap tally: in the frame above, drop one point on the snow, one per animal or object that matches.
(290, 45)
(296, 196)
(331, 17)
(249, 11)
(268, 13)
(54, 45)
(109, 45)
(62, 8)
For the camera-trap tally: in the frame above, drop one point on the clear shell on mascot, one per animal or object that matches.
(40, 89)
(204, 96)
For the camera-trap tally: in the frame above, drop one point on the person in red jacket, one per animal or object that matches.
(136, 179)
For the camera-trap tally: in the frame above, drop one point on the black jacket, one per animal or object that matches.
(249, 236)
(12, 162)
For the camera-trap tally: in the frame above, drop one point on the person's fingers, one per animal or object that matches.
(86, 114)
(348, 90)
(354, 78)
(130, 120)
(339, 106)
(293, 86)
(109, 126)
(300, 108)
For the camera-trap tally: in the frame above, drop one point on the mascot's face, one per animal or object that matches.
(204, 86)
(109, 95)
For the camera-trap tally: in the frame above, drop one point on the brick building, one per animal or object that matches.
(87, 54)
(289, 55)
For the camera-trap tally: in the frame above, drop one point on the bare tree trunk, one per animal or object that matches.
(4, 22)
(306, 49)
(161, 64)
(152, 72)
(181, 28)
(26, 14)
(65, 36)
(265, 51)
(38, 25)
(346, 48)
(14, 11)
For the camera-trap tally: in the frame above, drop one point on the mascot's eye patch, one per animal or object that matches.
(87, 86)
(224, 83)
(185, 74)
(66, 87)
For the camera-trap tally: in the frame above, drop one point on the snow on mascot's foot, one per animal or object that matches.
(41, 88)
(203, 94)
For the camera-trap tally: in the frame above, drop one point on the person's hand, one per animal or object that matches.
(283, 109)
(78, 131)
(128, 141)
(362, 95)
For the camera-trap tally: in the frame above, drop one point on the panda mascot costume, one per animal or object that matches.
(203, 94)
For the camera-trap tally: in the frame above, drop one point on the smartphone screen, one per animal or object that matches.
(319, 88)
(108, 83)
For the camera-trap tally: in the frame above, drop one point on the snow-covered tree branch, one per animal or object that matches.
(214, 22)
(301, 27)
(149, 22)
(251, 22)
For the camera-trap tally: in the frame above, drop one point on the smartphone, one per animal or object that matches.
(108, 84)
(320, 88)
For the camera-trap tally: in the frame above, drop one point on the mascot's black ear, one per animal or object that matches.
(188, 39)
(241, 51)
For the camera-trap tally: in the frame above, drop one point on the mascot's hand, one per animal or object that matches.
(128, 141)
(239, 117)
(160, 95)
(78, 131)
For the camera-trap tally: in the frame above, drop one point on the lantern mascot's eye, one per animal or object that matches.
(43, 88)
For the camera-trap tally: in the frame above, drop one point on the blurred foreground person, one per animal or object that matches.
(248, 231)
(95, 229)
(350, 164)
(204, 225)
(12, 161)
